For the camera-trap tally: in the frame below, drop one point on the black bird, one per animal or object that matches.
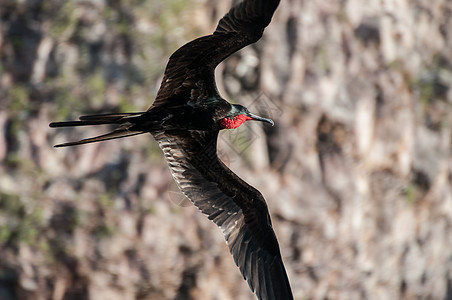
(185, 120)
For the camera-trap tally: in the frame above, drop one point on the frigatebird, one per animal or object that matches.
(185, 120)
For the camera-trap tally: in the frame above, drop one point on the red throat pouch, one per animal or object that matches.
(231, 123)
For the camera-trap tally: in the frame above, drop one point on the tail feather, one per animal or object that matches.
(109, 136)
(110, 117)
(97, 120)
(123, 120)
(78, 123)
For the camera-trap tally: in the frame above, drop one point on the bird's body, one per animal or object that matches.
(185, 120)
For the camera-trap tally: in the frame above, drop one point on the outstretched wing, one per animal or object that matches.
(189, 74)
(236, 207)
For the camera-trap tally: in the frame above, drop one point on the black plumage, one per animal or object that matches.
(185, 120)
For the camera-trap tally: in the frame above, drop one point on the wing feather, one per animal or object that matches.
(189, 74)
(237, 208)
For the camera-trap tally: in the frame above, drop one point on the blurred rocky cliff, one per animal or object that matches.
(357, 171)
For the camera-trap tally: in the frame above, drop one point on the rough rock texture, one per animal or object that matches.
(357, 172)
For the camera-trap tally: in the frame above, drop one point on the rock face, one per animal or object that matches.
(357, 172)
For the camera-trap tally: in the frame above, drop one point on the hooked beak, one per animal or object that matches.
(257, 118)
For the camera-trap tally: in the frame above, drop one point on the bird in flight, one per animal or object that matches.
(185, 120)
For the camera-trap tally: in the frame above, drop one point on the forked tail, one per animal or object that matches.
(127, 126)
